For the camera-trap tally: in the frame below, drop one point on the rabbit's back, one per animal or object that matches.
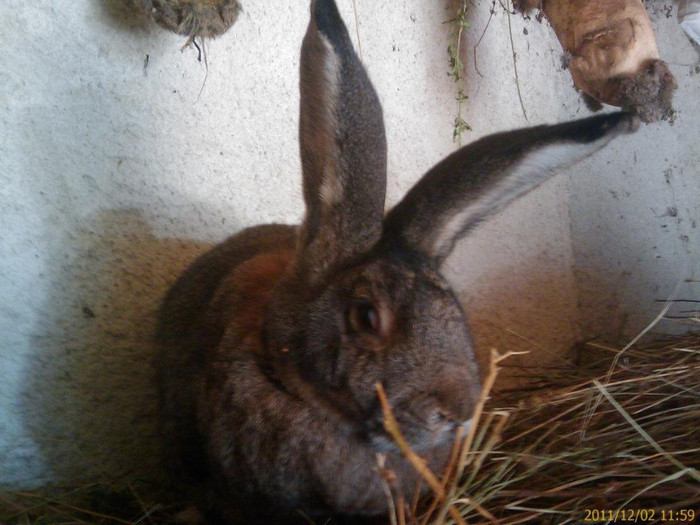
(232, 279)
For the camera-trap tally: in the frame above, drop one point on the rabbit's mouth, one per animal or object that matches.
(420, 437)
(466, 426)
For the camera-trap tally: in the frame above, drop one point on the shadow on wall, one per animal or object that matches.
(512, 273)
(531, 315)
(90, 396)
(85, 397)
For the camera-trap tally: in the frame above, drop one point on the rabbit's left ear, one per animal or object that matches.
(482, 178)
(343, 148)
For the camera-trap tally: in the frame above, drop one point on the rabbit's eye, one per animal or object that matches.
(364, 317)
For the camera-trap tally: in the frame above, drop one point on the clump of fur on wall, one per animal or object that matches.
(194, 18)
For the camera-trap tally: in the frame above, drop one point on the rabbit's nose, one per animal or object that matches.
(457, 398)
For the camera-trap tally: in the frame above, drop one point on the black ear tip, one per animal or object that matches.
(330, 24)
(630, 121)
(621, 122)
(594, 128)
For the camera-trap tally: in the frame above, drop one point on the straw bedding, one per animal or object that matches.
(614, 441)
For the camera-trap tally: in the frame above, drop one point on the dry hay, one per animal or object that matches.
(600, 437)
(105, 502)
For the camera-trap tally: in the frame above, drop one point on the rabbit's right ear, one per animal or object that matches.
(343, 149)
(482, 178)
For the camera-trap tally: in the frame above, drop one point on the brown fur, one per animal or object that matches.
(243, 295)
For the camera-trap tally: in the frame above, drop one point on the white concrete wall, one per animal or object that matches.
(635, 229)
(114, 176)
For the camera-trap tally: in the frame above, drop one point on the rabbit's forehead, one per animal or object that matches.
(389, 277)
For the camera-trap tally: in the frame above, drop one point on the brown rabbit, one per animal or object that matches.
(273, 342)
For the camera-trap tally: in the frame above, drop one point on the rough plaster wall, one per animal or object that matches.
(630, 212)
(115, 176)
(515, 272)
(635, 230)
(112, 178)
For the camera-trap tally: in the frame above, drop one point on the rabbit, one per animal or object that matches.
(272, 344)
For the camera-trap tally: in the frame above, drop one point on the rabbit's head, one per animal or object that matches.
(386, 316)
(363, 301)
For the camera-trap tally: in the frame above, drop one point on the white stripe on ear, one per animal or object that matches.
(331, 186)
(532, 170)
(331, 191)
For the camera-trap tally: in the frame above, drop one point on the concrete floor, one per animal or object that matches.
(122, 158)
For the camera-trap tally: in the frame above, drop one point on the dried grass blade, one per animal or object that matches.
(392, 427)
(694, 473)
